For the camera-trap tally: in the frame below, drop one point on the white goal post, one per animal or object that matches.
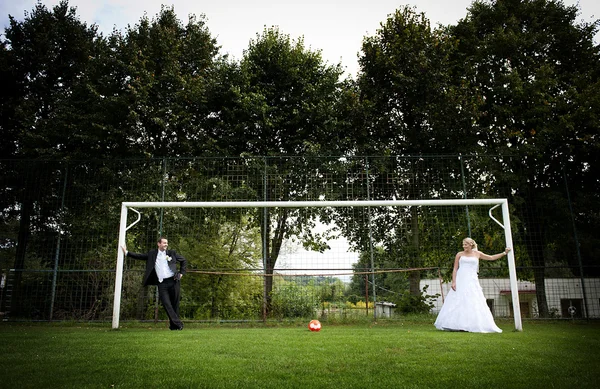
(505, 224)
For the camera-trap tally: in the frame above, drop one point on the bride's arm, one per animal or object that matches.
(456, 264)
(495, 256)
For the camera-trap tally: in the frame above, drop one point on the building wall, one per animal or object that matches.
(561, 293)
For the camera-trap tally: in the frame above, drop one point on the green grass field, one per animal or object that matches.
(405, 354)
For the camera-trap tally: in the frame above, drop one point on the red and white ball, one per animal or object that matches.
(314, 326)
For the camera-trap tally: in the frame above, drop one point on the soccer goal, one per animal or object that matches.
(380, 220)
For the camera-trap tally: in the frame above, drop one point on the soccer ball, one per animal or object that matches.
(314, 326)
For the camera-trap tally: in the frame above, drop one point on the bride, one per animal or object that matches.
(465, 308)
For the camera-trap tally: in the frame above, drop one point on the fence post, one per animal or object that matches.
(371, 242)
(57, 252)
(160, 231)
(464, 183)
(265, 242)
(585, 301)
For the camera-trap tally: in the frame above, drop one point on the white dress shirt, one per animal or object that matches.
(162, 266)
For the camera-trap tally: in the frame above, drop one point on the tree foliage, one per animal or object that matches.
(412, 107)
(412, 104)
(537, 72)
(286, 104)
(516, 78)
(163, 69)
(285, 101)
(48, 57)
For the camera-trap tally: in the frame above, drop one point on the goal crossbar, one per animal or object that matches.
(125, 206)
(306, 204)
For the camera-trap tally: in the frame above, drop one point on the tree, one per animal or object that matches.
(160, 71)
(286, 101)
(72, 94)
(283, 101)
(48, 56)
(223, 245)
(537, 72)
(412, 106)
(45, 60)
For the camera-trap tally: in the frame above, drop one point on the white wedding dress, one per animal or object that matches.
(466, 309)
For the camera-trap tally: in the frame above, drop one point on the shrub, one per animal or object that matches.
(423, 303)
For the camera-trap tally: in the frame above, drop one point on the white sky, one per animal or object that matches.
(336, 27)
(293, 256)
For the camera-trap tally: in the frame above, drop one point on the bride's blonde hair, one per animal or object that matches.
(471, 242)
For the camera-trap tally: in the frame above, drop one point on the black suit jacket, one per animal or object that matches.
(150, 277)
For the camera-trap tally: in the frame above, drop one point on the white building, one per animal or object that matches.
(564, 296)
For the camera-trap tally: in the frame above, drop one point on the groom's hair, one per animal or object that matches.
(161, 239)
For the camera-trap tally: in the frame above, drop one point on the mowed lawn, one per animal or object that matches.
(400, 354)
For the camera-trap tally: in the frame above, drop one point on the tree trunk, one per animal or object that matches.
(268, 269)
(272, 250)
(22, 240)
(536, 254)
(534, 242)
(214, 306)
(540, 291)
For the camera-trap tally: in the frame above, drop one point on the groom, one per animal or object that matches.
(161, 270)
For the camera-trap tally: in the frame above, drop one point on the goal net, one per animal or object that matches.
(257, 260)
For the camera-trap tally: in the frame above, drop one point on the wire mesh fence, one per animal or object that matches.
(60, 222)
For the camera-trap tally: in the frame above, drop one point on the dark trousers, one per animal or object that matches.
(169, 294)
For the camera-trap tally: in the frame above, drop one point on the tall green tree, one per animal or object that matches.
(287, 99)
(45, 62)
(73, 94)
(222, 245)
(46, 59)
(537, 72)
(411, 106)
(285, 102)
(161, 70)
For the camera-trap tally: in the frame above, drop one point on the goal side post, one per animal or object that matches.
(512, 269)
(119, 268)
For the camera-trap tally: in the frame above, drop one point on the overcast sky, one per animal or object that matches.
(336, 27)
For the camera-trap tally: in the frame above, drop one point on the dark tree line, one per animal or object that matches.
(515, 81)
